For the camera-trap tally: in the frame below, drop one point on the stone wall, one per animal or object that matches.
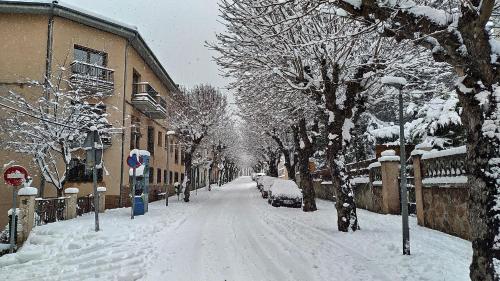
(323, 190)
(368, 197)
(445, 209)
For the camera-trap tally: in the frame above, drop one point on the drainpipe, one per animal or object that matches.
(48, 70)
(50, 42)
(122, 167)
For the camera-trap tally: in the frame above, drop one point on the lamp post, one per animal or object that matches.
(399, 83)
(169, 133)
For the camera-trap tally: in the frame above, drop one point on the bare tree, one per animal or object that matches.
(193, 114)
(51, 128)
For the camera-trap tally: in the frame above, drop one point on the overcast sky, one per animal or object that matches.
(174, 29)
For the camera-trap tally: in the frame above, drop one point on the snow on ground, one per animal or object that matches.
(231, 233)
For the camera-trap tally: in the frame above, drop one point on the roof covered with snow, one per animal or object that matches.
(96, 21)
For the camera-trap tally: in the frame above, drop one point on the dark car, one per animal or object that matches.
(285, 193)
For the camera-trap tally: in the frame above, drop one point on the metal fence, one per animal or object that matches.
(48, 210)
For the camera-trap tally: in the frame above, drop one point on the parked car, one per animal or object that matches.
(266, 183)
(258, 180)
(285, 193)
(255, 176)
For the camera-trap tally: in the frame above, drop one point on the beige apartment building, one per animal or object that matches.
(41, 40)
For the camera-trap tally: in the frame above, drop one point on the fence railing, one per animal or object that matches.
(361, 168)
(50, 210)
(446, 163)
(376, 175)
(84, 205)
(92, 77)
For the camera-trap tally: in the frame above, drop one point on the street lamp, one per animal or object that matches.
(169, 133)
(399, 83)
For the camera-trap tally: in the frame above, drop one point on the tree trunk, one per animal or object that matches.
(306, 151)
(339, 129)
(273, 164)
(290, 169)
(188, 160)
(483, 152)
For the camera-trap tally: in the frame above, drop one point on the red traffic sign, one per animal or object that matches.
(133, 162)
(15, 175)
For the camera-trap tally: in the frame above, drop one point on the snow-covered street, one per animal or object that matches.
(231, 233)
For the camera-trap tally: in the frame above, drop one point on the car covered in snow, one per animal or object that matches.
(265, 185)
(285, 193)
(256, 176)
(258, 179)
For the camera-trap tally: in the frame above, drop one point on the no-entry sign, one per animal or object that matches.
(15, 175)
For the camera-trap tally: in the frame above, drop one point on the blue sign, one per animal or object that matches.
(132, 161)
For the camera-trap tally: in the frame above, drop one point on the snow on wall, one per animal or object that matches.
(27, 191)
(445, 180)
(443, 153)
(360, 180)
(71, 190)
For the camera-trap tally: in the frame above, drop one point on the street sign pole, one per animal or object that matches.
(133, 193)
(13, 221)
(14, 176)
(94, 175)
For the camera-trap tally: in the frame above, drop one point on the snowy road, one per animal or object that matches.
(231, 233)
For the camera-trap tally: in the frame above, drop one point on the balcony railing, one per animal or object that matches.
(148, 100)
(92, 78)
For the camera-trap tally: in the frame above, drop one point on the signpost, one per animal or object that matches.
(14, 176)
(93, 146)
(133, 162)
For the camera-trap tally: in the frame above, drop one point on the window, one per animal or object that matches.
(164, 176)
(176, 155)
(171, 146)
(182, 156)
(171, 179)
(151, 141)
(90, 56)
(136, 78)
(160, 139)
(158, 176)
(151, 175)
(182, 177)
(166, 141)
(176, 177)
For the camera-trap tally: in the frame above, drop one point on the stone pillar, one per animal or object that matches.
(72, 202)
(390, 183)
(26, 212)
(101, 191)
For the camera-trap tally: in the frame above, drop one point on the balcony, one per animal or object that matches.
(91, 78)
(146, 99)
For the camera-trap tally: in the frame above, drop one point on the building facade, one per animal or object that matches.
(48, 40)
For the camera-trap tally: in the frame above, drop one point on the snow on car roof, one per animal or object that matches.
(287, 188)
(267, 182)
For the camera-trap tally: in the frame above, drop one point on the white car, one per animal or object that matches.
(285, 193)
(255, 176)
